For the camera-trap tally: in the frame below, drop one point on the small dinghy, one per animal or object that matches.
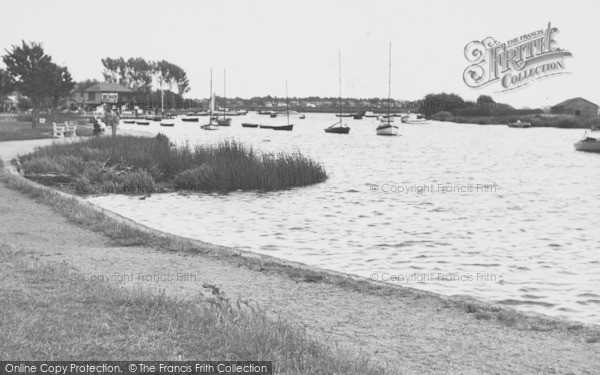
(169, 123)
(189, 119)
(519, 124)
(129, 121)
(288, 127)
(247, 125)
(265, 126)
(226, 121)
(210, 127)
(338, 128)
(143, 122)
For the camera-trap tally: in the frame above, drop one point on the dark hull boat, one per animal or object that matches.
(246, 125)
(338, 129)
(143, 122)
(224, 122)
(266, 126)
(273, 115)
(193, 119)
(129, 121)
(357, 117)
(284, 127)
(167, 124)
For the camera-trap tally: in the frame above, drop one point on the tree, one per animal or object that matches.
(33, 72)
(181, 80)
(433, 103)
(485, 99)
(62, 84)
(139, 74)
(116, 71)
(7, 85)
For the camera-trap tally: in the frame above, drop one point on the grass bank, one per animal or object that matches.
(95, 320)
(21, 130)
(538, 120)
(129, 164)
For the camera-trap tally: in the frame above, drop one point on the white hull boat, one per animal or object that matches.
(519, 124)
(414, 119)
(212, 124)
(387, 128)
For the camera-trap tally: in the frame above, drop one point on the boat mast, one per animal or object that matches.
(390, 83)
(212, 97)
(340, 69)
(287, 104)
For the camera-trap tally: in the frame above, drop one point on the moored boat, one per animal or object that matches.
(519, 124)
(129, 121)
(588, 144)
(212, 124)
(387, 126)
(247, 125)
(412, 118)
(189, 119)
(143, 122)
(283, 127)
(338, 127)
(167, 123)
(224, 121)
(265, 126)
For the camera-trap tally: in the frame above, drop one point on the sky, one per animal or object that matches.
(262, 44)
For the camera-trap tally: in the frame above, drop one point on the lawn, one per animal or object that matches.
(21, 130)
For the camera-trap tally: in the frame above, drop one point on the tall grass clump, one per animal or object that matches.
(129, 164)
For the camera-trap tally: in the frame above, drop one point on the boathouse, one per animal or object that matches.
(576, 107)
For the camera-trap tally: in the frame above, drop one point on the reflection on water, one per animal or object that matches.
(502, 214)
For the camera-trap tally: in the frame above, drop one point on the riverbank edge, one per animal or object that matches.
(127, 231)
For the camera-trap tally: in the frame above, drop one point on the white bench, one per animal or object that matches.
(68, 129)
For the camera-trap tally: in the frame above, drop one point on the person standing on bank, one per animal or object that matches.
(112, 120)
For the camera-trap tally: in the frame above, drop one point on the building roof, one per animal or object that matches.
(108, 87)
(569, 101)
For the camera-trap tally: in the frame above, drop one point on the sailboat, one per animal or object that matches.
(387, 126)
(338, 127)
(225, 121)
(287, 111)
(211, 124)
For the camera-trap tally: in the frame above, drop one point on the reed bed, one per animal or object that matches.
(129, 164)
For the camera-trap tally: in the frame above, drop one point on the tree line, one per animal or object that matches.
(140, 75)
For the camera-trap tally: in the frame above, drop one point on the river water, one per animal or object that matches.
(501, 214)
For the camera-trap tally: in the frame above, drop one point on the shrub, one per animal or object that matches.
(137, 182)
(442, 116)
